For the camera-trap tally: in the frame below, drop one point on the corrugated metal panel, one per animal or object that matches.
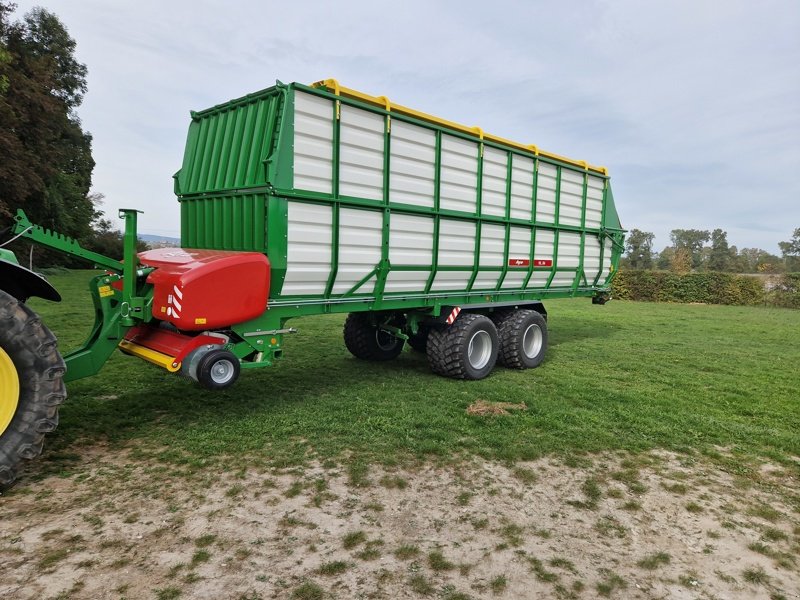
(412, 164)
(591, 258)
(493, 183)
(521, 187)
(458, 189)
(493, 243)
(519, 246)
(594, 201)
(546, 194)
(456, 243)
(226, 146)
(313, 143)
(451, 280)
(361, 153)
(360, 239)
(406, 281)
(224, 222)
(569, 256)
(571, 198)
(308, 264)
(543, 250)
(606, 272)
(410, 240)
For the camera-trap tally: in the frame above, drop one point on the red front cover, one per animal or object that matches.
(207, 289)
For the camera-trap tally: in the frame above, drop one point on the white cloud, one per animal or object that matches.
(693, 106)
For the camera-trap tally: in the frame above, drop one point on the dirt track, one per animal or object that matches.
(653, 526)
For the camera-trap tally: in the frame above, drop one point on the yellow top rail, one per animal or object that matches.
(383, 102)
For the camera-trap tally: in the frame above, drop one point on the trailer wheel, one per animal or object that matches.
(367, 342)
(523, 339)
(467, 349)
(419, 341)
(217, 370)
(31, 385)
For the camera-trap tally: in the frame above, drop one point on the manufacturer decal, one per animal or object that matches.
(519, 262)
(543, 262)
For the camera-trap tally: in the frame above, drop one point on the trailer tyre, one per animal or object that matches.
(217, 370)
(523, 339)
(467, 349)
(419, 341)
(31, 385)
(366, 341)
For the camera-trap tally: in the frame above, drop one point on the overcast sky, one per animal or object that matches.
(694, 106)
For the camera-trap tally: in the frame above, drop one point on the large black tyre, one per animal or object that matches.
(31, 385)
(419, 341)
(467, 349)
(523, 339)
(366, 341)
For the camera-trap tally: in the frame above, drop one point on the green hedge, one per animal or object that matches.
(708, 288)
(787, 291)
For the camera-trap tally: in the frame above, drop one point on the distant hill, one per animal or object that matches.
(160, 241)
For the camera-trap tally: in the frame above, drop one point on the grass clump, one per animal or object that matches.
(407, 552)
(308, 591)
(336, 567)
(353, 539)
(438, 562)
(653, 561)
(420, 585)
(755, 575)
(498, 584)
(610, 583)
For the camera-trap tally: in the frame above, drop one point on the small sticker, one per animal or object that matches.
(105, 291)
(519, 262)
(543, 262)
(200, 321)
(163, 309)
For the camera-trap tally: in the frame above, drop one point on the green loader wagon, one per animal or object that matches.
(301, 200)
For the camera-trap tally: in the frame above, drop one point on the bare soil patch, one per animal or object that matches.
(657, 525)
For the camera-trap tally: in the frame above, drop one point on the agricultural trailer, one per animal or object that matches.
(303, 200)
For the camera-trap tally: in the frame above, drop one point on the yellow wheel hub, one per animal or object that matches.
(9, 390)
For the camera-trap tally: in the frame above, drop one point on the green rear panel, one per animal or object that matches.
(237, 190)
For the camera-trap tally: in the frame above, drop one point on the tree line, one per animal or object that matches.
(702, 250)
(47, 163)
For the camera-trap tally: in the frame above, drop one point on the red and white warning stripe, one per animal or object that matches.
(453, 315)
(173, 300)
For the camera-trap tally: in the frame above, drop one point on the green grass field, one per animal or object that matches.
(625, 376)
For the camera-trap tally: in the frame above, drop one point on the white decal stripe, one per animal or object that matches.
(178, 293)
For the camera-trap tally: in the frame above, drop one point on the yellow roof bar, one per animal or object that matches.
(383, 102)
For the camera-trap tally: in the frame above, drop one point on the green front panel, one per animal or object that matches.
(229, 145)
(225, 222)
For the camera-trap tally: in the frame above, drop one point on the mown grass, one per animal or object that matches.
(625, 376)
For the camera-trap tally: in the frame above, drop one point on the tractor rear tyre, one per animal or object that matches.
(523, 339)
(467, 349)
(31, 385)
(367, 341)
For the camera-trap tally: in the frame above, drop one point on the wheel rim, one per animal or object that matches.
(479, 351)
(9, 390)
(532, 341)
(385, 341)
(222, 371)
